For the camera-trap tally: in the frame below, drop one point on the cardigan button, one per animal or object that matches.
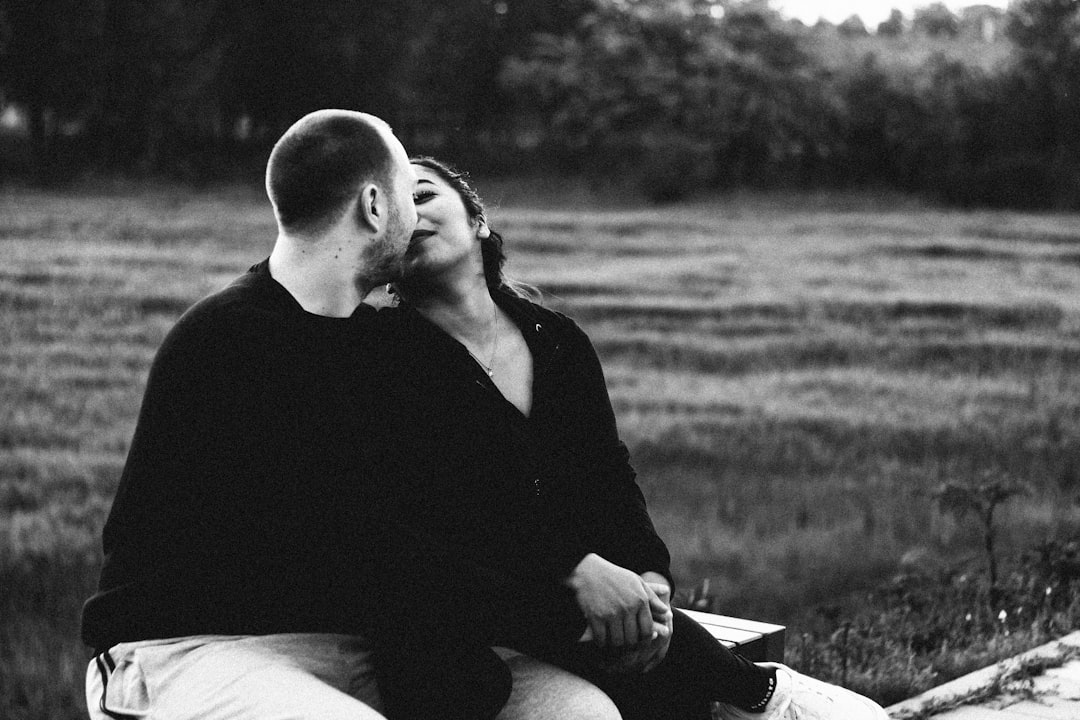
(538, 327)
(536, 484)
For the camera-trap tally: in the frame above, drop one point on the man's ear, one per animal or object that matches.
(370, 212)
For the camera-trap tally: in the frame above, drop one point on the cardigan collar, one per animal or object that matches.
(537, 325)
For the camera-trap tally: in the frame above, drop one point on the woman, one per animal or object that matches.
(508, 449)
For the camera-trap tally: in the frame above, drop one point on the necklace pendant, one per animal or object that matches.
(489, 371)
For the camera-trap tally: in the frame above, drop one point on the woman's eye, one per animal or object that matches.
(423, 196)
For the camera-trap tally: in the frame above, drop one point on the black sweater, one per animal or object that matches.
(226, 519)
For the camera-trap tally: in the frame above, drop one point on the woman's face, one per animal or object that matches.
(445, 235)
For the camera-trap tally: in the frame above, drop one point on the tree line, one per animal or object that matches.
(671, 96)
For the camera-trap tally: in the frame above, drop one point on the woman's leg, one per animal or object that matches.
(700, 668)
(704, 664)
(696, 671)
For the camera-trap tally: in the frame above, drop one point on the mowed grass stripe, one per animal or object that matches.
(756, 461)
(44, 467)
(734, 355)
(62, 357)
(625, 304)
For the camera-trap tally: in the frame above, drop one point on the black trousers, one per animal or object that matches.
(696, 671)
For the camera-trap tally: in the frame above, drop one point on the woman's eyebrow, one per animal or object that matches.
(424, 180)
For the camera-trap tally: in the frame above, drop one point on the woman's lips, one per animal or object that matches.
(418, 237)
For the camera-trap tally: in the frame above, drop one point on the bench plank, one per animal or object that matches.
(756, 641)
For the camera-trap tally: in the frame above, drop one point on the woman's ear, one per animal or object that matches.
(482, 230)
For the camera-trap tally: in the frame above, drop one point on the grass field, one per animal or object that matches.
(794, 379)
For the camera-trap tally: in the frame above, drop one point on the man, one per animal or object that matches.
(247, 574)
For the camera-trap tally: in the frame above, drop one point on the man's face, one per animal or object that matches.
(401, 201)
(385, 255)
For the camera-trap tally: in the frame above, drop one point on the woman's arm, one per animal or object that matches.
(614, 518)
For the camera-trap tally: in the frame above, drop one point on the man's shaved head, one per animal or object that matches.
(321, 162)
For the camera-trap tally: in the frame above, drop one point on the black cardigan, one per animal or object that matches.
(524, 498)
(534, 494)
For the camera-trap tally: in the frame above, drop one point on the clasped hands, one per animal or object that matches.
(629, 616)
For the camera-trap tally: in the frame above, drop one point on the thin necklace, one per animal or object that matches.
(489, 367)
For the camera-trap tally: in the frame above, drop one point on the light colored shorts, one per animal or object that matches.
(293, 677)
(545, 692)
(225, 677)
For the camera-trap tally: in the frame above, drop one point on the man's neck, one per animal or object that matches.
(315, 274)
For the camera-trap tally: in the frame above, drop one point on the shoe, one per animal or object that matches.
(798, 697)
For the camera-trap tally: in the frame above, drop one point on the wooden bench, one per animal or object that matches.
(755, 641)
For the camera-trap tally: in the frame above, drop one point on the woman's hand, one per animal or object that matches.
(650, 652)
(617, 603)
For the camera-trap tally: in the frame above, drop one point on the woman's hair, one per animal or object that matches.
(491, 247)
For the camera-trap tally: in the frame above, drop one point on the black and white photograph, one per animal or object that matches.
(540, 360)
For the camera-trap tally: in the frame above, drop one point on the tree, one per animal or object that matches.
(452, 58)
(678, 101)
(151, 85)
(936, 21)
(161, 63)
(982, 22)
(853, 27)
(50, 63)
(284, 59)
(893, 26)
(1046, 75)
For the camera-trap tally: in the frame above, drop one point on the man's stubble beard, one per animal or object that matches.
(384, 259)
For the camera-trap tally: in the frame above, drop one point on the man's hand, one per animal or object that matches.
(665, 619)
(617, 603)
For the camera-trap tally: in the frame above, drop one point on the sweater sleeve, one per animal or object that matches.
(166, 478)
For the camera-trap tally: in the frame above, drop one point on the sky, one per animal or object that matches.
(871, 11)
